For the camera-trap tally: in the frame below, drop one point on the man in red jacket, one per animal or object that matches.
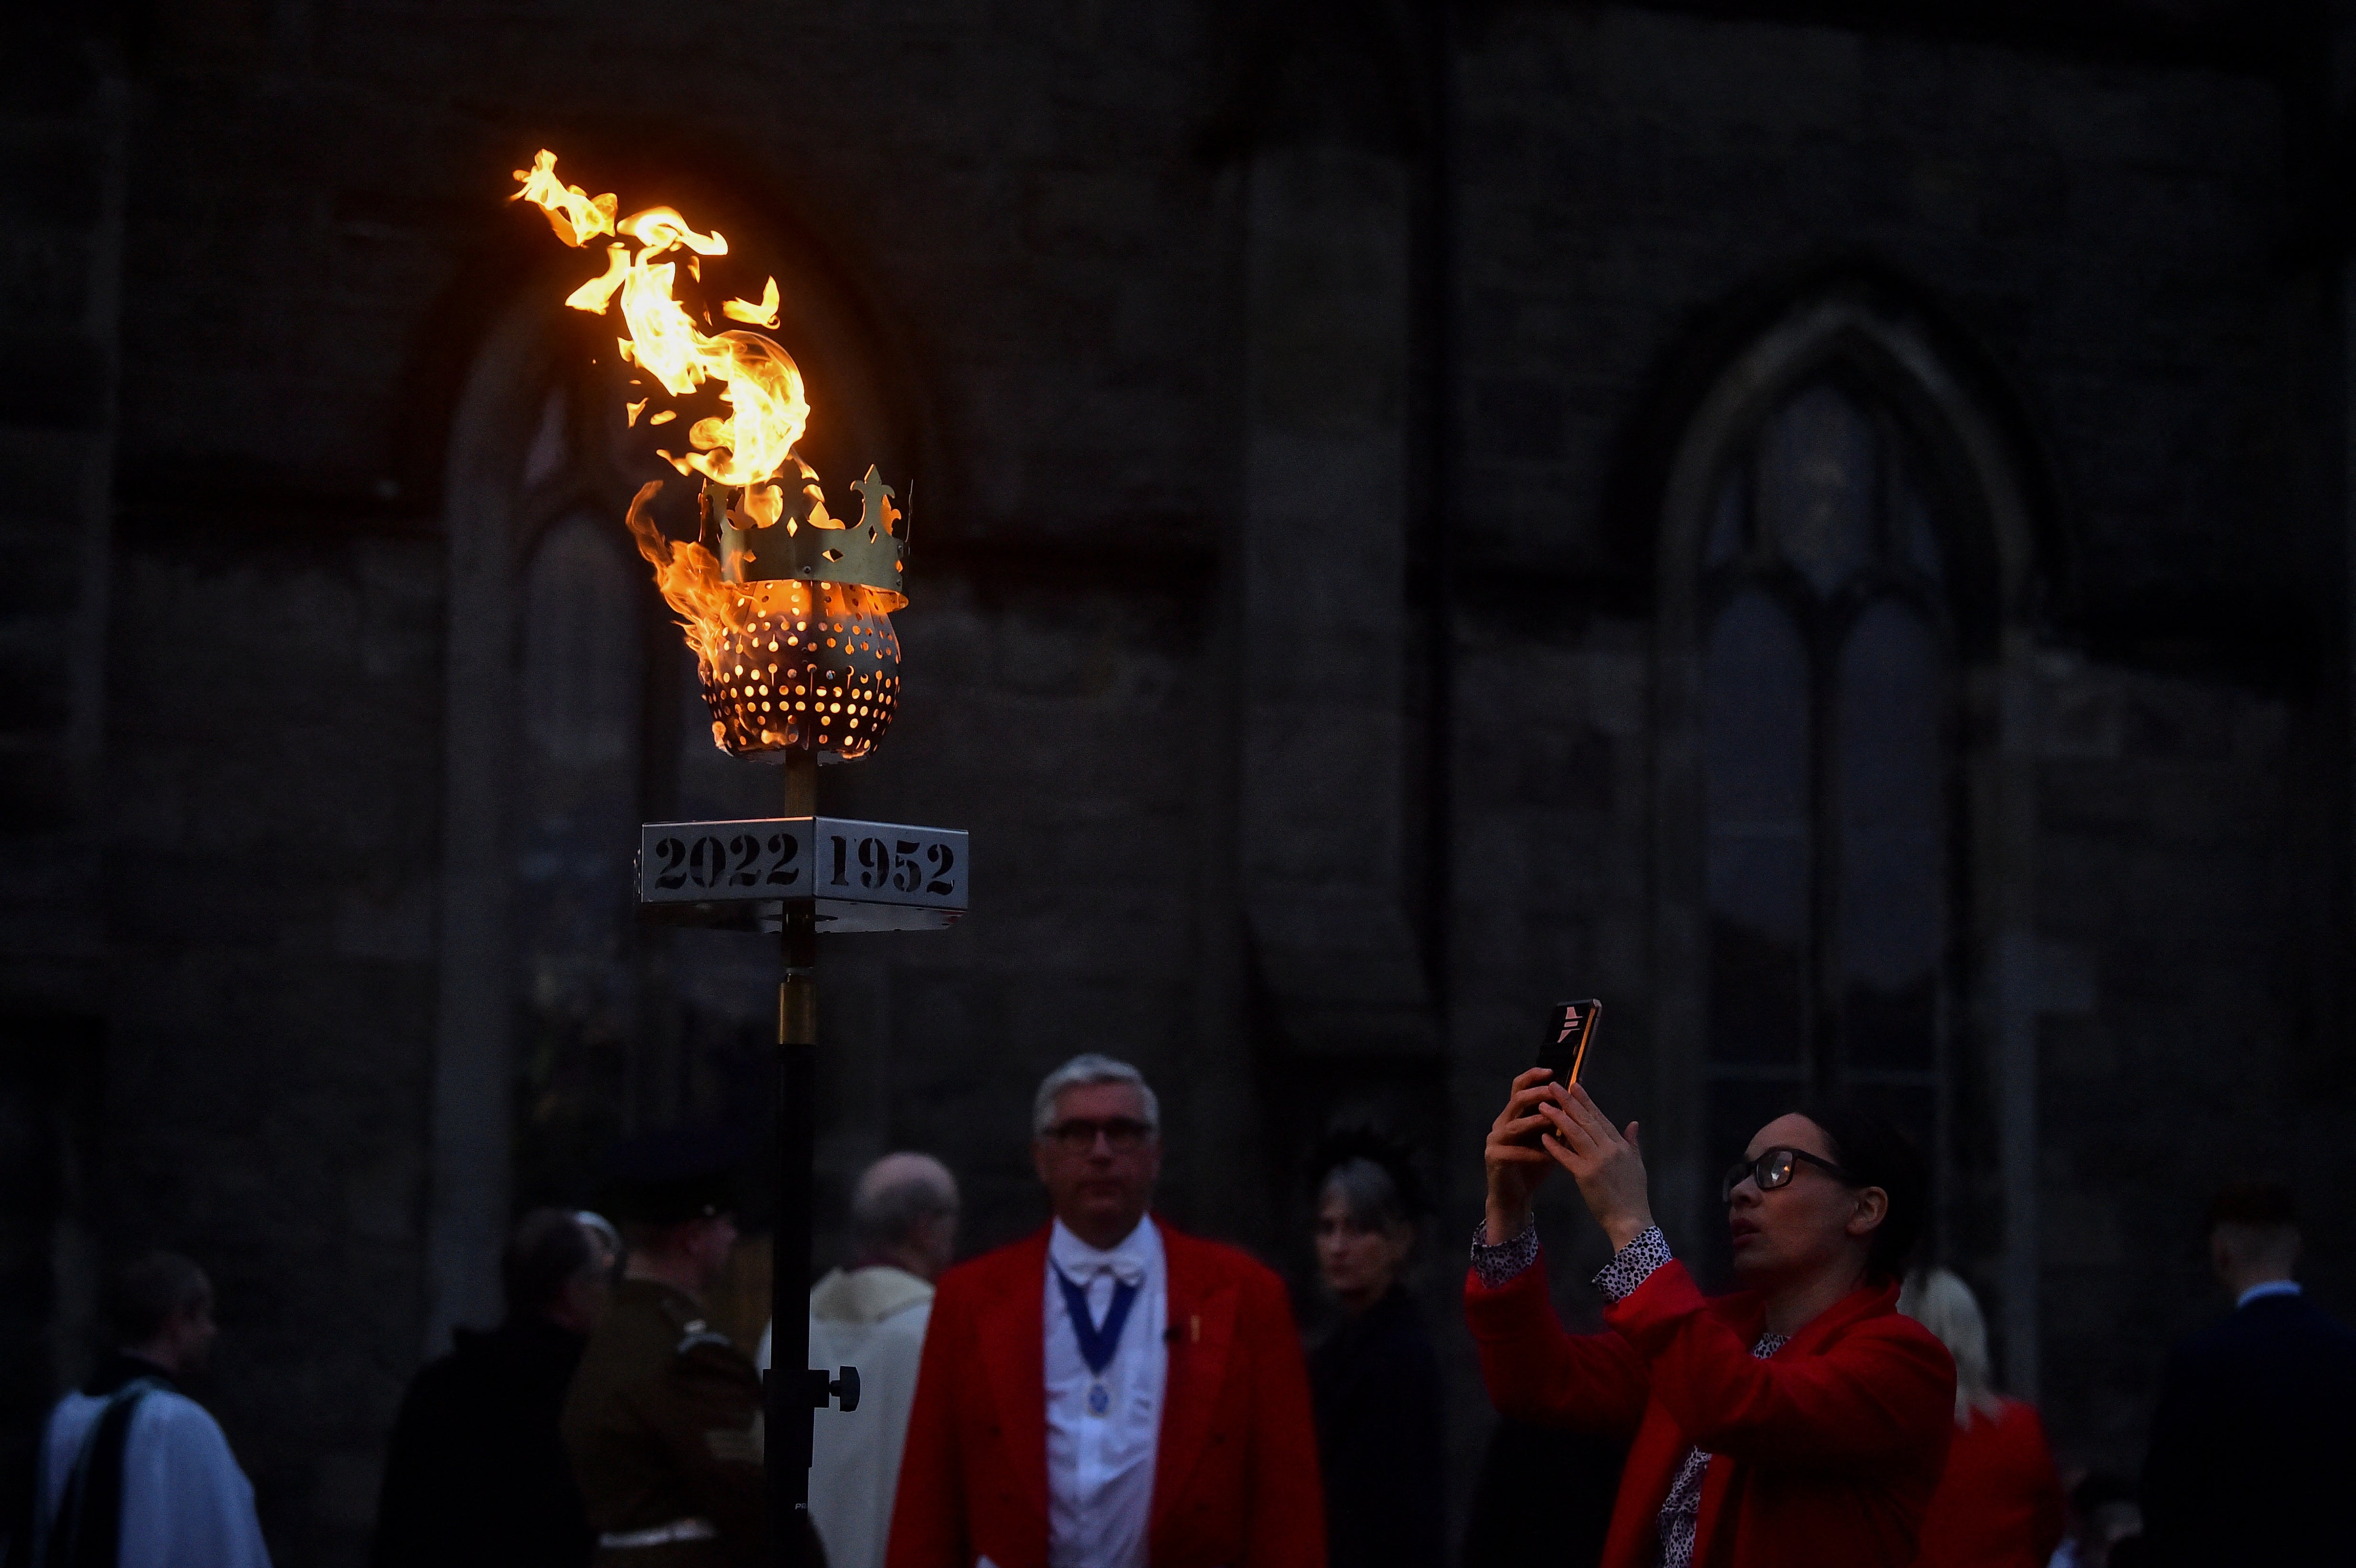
(1108, 1392)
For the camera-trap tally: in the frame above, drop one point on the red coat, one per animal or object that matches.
(2000, 1504)
(1235, 1476)
(1829, 1450)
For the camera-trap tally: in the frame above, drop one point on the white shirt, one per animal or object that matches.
(185, 1503)
(2271, 1287)
(873, 1318)
(1100, 1467)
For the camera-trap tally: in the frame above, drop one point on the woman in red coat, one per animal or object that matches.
(1999, 1503)
(1801, 1423)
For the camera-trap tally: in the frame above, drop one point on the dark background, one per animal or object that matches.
(1317, 415)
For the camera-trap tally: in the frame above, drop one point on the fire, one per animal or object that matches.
(757, 379)
(571, 211)
(784, 663)
(688, 577)
(758, 648)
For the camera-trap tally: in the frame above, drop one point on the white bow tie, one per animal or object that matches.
(1128, 1271)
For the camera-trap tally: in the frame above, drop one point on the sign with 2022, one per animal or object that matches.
(863, 875)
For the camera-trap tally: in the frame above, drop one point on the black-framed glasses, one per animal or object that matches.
(1774, 1168)
(1122, 1135)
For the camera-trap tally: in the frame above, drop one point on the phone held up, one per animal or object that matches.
(1571, 1029)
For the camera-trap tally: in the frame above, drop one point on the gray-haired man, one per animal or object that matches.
(871, 1316)
(1108, 1392)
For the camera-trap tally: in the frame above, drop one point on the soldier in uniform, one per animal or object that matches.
(663, 1422)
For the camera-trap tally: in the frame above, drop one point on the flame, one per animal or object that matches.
(762, 315)
(574, 213)
(749, 465)
(688, 577)
(593, 295)
(726, 623)
(757, 379)
(661, 228)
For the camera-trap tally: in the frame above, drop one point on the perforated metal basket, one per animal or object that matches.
(815, 669)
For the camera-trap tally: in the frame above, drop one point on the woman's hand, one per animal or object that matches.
(1605, 1161)
(1515, 1165)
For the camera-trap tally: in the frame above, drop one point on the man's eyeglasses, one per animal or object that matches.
(1774, 1168)
(1122, 1135)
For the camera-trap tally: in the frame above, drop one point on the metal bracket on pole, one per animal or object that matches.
(825, 1390)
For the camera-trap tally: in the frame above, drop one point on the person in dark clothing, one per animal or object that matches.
(2252, 1443)
(476, 1472)
(1544, 1495)
(1375, 1381)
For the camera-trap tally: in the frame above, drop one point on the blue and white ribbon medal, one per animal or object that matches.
(1096, 1344)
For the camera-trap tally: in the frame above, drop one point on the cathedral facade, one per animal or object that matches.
(1823, 526)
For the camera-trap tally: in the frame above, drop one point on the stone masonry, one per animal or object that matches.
(1294, 396)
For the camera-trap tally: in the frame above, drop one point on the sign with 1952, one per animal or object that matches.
(821, 857)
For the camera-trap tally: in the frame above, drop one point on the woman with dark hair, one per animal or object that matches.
(1374, 1379)
(1800, 1421)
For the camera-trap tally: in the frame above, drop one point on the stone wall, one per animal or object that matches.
(273, 744)
(2108, 238)
(1637, 190)
(1100, 314)
(317, 238)
(63, 146)
(2183, 1041)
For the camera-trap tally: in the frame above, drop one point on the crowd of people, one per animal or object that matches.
(1113, 1392)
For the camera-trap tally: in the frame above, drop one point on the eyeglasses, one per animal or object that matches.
(1122, 1135)
(1774, 1168)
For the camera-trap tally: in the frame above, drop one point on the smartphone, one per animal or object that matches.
(1571, 1027)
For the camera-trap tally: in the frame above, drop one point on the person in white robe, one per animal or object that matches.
(872, 1315)
(132, 1473)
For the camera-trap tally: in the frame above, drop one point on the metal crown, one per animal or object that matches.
(809, 546)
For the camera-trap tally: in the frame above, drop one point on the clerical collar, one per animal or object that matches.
(1128, 1259)
(2271, 1287)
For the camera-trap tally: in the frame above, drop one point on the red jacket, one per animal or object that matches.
(1235, 1477)
(1830, 1449)
(1999, 1503)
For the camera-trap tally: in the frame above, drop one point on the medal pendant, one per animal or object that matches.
(1100, 1398)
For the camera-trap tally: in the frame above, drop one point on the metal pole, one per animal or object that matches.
(791, 1398)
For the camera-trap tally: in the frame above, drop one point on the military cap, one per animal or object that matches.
(686, 1173)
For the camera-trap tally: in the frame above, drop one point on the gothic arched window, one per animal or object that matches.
(614, 1023)
(572, 714)
(1845, 848)
(1826, 729)
(579, 670)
